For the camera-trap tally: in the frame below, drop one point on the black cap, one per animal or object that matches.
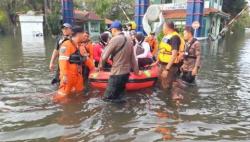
(77, 29)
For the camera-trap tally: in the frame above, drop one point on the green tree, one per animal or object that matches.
(113, 9)
(233, 7)
(10, 9)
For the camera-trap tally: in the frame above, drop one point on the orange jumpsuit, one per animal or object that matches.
(153, 44)
(89, 62)
(73, 72)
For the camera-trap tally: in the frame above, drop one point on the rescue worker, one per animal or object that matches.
(153, 43)
(192, 56)
(66, 33)
(131, 27)
(120, 48)
(70, 64)
(169, 57)
(87, 44)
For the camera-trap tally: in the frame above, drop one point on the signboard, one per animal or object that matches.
(196, 25)
(174, 6)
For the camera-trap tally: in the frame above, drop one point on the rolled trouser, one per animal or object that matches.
(167, 81)
(188, 77)
(116, 86)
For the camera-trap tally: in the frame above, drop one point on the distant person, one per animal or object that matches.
(143, 53)
(70, 64)
(153, 43)
(168, 56)
(130, 28)
(192, 56)
(104, 39)
(66, 34)
(120, 48)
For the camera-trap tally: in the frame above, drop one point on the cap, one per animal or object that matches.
(77, 29)
(66, 25)
(117, 25)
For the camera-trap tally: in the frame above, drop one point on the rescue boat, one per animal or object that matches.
(147, 79)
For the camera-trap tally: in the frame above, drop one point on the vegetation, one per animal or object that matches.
(242, 23)
(112, 9)
(233, 7)
(10, 8)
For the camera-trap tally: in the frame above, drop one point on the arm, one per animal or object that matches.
(146, 48)
(134, 62)
(54, 57)
(64, 54)
(91, 51)
(155, 48)
(198, 55)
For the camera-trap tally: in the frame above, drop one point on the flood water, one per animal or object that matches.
(216, 109)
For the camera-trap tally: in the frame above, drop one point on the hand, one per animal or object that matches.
(154, 64)
(64, 79)
(164, 74)
(51, 67)
(194, 72)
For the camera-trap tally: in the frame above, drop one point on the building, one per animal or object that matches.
(213, 20)
(90, 21)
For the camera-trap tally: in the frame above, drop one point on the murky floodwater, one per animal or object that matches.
(218, 108)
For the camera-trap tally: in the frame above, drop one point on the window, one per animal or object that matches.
(166, 1)
(94, 27)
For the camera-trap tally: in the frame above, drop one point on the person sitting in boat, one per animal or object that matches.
(153, 43)
(99, 47)
(142, 50)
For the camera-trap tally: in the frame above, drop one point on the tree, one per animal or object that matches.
(113, 9)
(233, 7)
(10, 8)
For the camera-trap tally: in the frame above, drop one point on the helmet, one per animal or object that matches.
(140, 36)
(132, 24)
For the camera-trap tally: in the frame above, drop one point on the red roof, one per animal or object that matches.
(182, 13)
(86, 15)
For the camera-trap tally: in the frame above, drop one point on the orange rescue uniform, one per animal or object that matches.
(153, 44)
(89, 61)
(73, 72)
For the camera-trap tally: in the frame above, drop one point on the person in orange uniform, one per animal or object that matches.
(88, 45)
(70, 63)
(153, 43)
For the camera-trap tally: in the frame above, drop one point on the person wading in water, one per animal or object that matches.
(121, 50)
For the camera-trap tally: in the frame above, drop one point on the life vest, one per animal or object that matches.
(188, 46)
(76, 57)
(165, 49)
